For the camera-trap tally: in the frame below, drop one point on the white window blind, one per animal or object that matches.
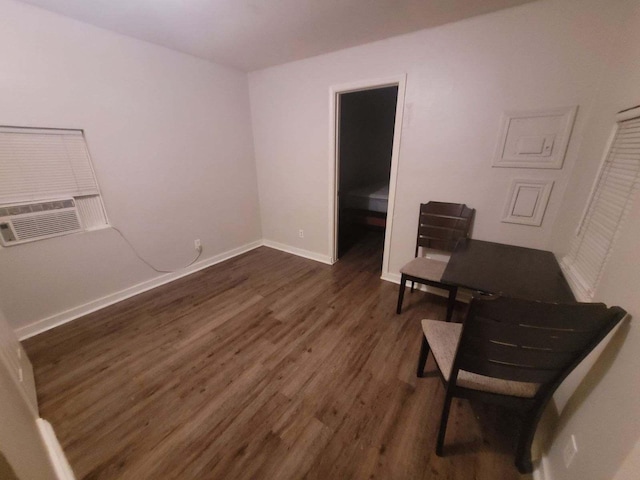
(37, 164)
(39, 169)
(609, 204)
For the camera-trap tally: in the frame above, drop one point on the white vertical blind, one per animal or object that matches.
(39, 163)
(609, 204)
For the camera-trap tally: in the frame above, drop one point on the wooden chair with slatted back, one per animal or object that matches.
(440, 226)
(514, 352)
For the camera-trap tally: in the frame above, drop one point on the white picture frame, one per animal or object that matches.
(534, 138)
(527, 201)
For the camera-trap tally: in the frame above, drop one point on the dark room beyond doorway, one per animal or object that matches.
(366, 127)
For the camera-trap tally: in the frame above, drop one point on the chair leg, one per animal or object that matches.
(451, 303)
(443, 423)
(403, 280)
(523, 451)
(422, 360)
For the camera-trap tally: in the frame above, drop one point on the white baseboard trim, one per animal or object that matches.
(298, 251)
(463, 294)
(54, 449)
(391, 277)
(61, 318)
(68, 315)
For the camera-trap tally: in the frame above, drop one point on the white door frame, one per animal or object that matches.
(334, 143)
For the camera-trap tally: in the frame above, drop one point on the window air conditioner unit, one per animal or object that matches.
(27, 222)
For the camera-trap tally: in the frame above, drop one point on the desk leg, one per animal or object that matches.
(424, 353)
(403, 280)
(451, 302)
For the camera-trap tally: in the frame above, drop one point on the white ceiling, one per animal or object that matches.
(253, 34)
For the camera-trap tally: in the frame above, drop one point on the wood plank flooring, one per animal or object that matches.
(267, 366)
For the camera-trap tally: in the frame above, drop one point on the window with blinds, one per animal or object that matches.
(46, 183)
(610, 202)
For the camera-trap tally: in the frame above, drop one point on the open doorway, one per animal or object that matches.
(365, 128)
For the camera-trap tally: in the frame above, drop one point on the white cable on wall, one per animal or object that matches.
(133, 249)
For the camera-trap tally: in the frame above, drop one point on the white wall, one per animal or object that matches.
(604, 412)
(631, 466)
(20, 441)
(170, 137)
(460, 78)
(171, 142)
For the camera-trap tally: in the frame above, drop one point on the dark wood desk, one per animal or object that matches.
(509, 270)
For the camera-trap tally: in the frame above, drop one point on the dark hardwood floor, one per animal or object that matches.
(267, 366)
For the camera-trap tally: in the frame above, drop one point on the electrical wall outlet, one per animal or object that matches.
(301, 233)
(197, 244)
(570, 450)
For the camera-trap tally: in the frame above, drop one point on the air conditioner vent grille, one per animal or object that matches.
(45, 224)
(36, 221)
